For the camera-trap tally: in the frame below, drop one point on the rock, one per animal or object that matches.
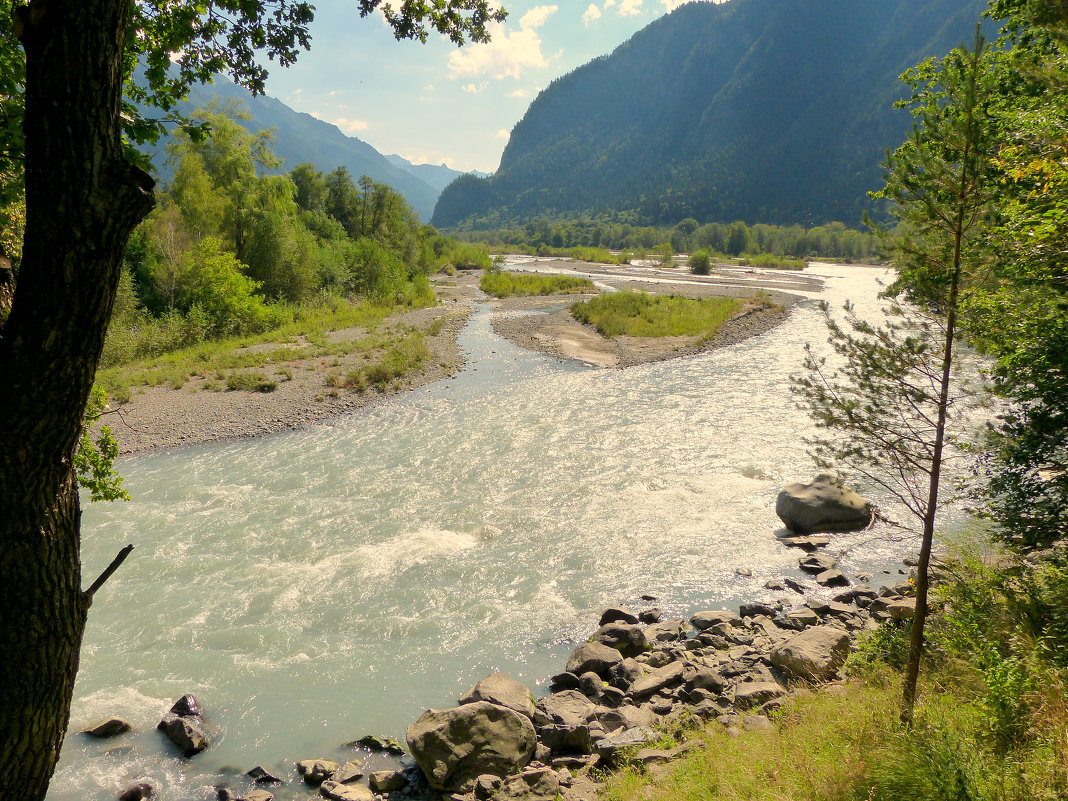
(590, 684)
(775, 585)
(453, 747)
(336, 791)
(667, 631)
(349, 772)
(901, 609)
(563, 681)
(185, 733)
(745, 572)
(260, 775)
(832, 578)
(656, 681)
(486, 785)
(226, 794)
(626, 716)
(627, 638)
(800, 619)
(257, 795)
(136, 792)
(110, 727)
(706, 620)
(814, 654)
(824, 505)
(564, 722)
(699, 677)
(593, 656)
(373, 742)
(608, 747)
(649, 616)
(794, 584)
(809, 543)
(756, 723)
(386, 781)
(542, 784)
(187, 706)
(754, 693)
(503, 691)
(626, 673)
(616, 615)
(317, 771)
(758, 608)
(817, 562)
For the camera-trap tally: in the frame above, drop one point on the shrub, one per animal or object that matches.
(250, 382)
(504, 285)
(700, 263)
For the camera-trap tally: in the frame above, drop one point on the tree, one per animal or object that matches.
(63, 68)
(892, 399)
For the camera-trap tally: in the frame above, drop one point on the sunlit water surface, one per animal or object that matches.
(319, 585)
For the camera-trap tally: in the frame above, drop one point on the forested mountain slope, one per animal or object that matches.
(761, 110)
(300, 138)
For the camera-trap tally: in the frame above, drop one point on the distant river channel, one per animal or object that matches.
(319, 585)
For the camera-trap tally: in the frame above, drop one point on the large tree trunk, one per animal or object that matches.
(82, 201)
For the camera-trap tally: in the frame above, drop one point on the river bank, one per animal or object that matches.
(307, 389)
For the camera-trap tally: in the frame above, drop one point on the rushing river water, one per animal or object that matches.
(323, 584)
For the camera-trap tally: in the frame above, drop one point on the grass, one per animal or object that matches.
(508, 284)
(250, 382)
(396, 362)
(772, 262)
(639, 314)
(217, 358)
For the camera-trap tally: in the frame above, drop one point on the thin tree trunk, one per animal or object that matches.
(82, 201)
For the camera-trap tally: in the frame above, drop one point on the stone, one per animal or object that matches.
(817, 562)
(590, 684)
(542, 784)
(627, 638)
(109, 727)
(608, 747)
(387, 781)
(626, 673)
(649, 616)
(564, 722)
(226, 794)
(453, 747)
(349, 772)
(625, 716)
(794, 584)
(756, 723)
(373, 742)
(901, 609)
(258, 795)
(336, 791)
(706, 620)
(317, 771)
(775, 585)
(260, 775)
(745, 572)
(758, 608)
(617, 615)
(800, 619)
(832, 578)
(185, 733)
(754, 693)
(657, 680)
(486, 785)
(137, 792)
(503, 691)
(667, 631)
(805, 543)
(563, 681)
(594, 656)
(187, 706)
(814, 654)
(824, 505)
(699, 677)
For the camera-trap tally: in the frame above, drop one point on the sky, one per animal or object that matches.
(435, 103)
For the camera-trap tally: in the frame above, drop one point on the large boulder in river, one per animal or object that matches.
(594, 656)
(825, 505)
(453, 747)
(503, 691)
(814, 654)
(627, 638)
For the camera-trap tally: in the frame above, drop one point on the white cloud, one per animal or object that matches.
(536, 17)
(503, 133)
(520, 93)
(506, 55)
(352, 126)
(592, 14)
(608, 4)
(475, 88)
(630, 8)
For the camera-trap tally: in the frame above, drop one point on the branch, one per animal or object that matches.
(120, 557)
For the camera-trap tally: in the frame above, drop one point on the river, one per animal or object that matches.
(315, 586)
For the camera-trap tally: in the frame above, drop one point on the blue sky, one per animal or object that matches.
(435, 103)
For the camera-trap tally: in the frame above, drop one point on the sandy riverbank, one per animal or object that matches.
(162, 417)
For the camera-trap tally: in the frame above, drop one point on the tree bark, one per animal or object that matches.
(82, 201)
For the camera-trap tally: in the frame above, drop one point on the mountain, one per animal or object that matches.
(436, 176)
(302, 138)
(775, 111)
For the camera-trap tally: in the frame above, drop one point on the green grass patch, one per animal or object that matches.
(772, 262)
(398, 361)
(250, 382)
(508, 284)
(638, 314)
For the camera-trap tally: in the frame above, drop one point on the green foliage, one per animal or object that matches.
(700, 262)
(769, 262)
(509, 284)
(638, 314)
(468, 257)
(250, 382)
(94, 458)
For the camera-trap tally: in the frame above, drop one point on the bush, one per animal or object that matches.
(504, 285)
(700, 263)
(250, 382)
